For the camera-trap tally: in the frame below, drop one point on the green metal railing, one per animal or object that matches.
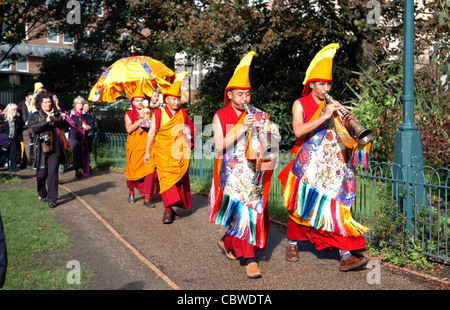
(427, 192)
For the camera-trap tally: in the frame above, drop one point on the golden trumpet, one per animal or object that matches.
(362, 134)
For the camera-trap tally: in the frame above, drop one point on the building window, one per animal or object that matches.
(5, 65)
(68, 38)
(52, 35)
(22, 64)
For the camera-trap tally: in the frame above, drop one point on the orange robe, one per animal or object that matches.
(172, 152)
(139, 175)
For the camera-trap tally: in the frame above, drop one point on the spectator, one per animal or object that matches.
(4, 143)
(90, 134)
(13, 127)
(56, 100)
(50, 147)
(38, 87)
(80, 122)
(24, 108)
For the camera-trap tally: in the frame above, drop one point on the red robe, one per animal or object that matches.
(241, 248)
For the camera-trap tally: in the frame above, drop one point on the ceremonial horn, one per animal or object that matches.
(362, 134)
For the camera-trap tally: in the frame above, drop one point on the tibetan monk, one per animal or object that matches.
(169, 144)
(241, 182)
(139, 175)
(319, 185)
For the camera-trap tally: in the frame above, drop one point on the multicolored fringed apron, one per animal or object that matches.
(320, 182)
(239, 192)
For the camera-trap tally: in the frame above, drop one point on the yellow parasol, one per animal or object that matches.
(128, 74)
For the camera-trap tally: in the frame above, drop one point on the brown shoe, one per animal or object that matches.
(253, 271)
(230, 253)
(175, 216)
(167, 218)
(292, 253)
(353, 263)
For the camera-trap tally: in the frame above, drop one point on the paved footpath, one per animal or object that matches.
(128, 247)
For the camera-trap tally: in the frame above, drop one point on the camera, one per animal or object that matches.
(57, 113)
(46, 139)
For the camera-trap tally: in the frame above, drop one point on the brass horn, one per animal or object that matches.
(362, 134)
(265, 136)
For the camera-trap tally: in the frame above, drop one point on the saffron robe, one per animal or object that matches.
(139, 175)
(172, 152)
(319, 186)
(245, 218)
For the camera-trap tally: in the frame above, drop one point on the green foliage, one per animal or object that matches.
(432, 225)
(377, 105)
(111, 120)
(36, 243)
(432, 96)
(392, 242)
(69, 74)
(7, 178)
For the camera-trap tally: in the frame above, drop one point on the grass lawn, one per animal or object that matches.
(37, 246)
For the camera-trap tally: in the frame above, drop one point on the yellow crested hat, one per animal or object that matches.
(37, 85)
(138, 93)
(175, 89)
(240, 78)
(320, 68)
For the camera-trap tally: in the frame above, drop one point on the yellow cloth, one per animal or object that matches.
(136, 169)
(131, 73)
(171, 152)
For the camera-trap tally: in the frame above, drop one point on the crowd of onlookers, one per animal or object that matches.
(38, 133)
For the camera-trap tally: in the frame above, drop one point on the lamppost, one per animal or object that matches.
(408, 143)
(189, 66)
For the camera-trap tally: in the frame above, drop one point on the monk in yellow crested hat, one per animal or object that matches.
(240, 78)
(175, 89)
(319, 184)
(320, 68)
(169, 144)
(137, 93)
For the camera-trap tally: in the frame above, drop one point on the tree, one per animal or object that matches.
(69, 74)
(22, 19)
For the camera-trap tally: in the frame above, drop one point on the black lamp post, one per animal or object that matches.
(189, 66)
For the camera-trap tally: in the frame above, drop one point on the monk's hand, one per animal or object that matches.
(249, 120)
(146, 158)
